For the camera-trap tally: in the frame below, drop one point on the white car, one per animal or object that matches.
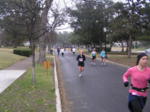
(147, 51)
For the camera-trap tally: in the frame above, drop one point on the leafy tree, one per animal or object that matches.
(135, 20)
(25, 15)
(128, 22)
(90, 19)
(118, 30)
(57, 18)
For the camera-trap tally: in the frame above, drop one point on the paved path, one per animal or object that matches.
(10, 74)
(99, 90)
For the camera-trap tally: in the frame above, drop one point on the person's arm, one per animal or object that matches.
(126, 75)
(77, 58)
(84, 58)
(149, 77)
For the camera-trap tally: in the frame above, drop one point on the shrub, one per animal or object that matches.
(108, 49)
(23, 51)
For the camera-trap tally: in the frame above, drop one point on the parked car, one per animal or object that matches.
(147, 51)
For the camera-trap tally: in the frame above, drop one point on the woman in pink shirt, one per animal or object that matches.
(139, 77)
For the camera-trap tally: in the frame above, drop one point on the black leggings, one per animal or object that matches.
(136, 103)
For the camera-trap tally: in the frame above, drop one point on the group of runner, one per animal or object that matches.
(60, 51)
(81, 59)
(139, 76)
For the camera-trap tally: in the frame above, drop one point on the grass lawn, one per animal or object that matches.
(7, 58)
(22, 96)
(123, 59)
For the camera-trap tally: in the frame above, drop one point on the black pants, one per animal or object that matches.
(136, 103)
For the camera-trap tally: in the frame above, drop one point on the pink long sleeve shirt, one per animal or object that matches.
(139, 79)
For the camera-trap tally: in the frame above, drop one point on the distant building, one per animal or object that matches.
(26, 44)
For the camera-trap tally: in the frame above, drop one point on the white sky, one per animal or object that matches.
(68, 3)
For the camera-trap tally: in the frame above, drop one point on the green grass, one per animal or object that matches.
(7, 58)
(123, 59)
(22, 96)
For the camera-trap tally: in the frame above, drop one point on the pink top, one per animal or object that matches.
(139, 79)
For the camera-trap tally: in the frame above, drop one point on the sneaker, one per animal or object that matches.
(80, 75)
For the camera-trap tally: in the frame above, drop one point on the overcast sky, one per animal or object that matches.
(69, 3)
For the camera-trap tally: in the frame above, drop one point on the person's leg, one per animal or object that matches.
(142, 101)
(82, 69)
(134, 104)
(102, 60)
(136, 107)
(62, 54)
(95, 60)
(92, 60)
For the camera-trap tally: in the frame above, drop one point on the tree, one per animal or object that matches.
(118, 30)
(134, 8)
(25, 14)
(13, 33)
(128, 21)
(90, 19)
(145, 22)
(57, 18)
(44, 22)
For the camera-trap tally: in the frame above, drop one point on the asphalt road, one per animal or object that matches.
(99, 90)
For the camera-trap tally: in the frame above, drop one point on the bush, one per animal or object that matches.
(108, 49)
(23, 51)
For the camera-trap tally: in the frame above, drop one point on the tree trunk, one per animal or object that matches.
(42, 51)
(33, 62)
(130, 47)
(127, 46)
(122, 46)
(42, 40)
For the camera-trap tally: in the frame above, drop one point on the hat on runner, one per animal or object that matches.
(139, 57)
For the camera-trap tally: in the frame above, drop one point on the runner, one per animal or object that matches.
(58, 51)
(81, 58)
(74, 51)
(103, 56)
(93, 57)
(140, 76)
(62, 51)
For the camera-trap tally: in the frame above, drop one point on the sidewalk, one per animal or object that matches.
(10, 74)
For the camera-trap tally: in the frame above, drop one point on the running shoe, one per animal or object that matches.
(80, 75)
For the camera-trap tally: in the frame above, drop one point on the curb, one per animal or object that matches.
(57, 91)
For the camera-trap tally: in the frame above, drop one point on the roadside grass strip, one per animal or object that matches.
(23, 96)
(7, 58)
